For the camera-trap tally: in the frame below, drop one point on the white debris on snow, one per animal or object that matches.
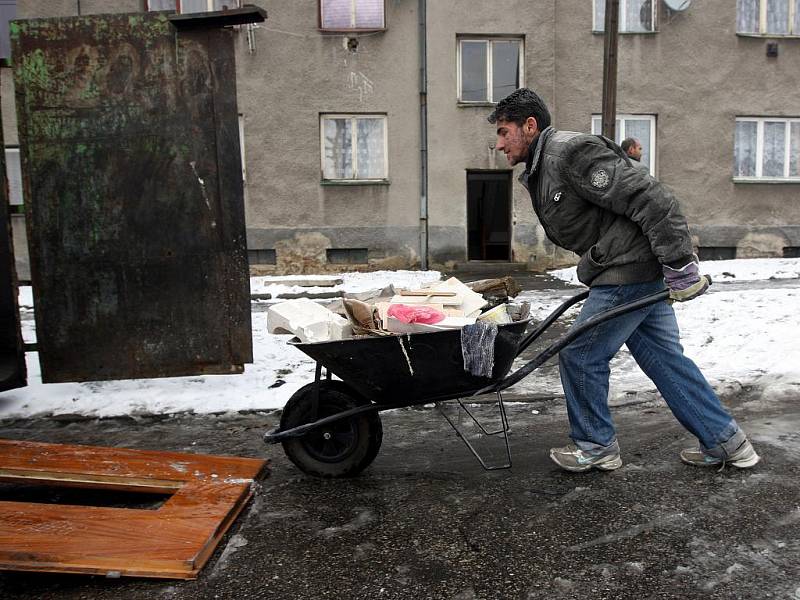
(741, 337)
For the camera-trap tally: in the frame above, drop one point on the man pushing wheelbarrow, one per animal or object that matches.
(633, 241)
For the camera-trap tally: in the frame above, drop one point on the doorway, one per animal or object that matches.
(489, 215)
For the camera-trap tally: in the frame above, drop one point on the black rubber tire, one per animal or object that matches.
(351, 445)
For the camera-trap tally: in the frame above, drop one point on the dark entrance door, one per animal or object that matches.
(489, 215)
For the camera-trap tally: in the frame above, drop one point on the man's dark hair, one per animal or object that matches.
(518, 106)
(627, 143)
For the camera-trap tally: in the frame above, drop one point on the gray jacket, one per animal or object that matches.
(591, 200)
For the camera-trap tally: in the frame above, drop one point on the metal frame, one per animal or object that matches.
(503, 430)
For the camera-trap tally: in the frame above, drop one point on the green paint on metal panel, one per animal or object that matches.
(33, 70)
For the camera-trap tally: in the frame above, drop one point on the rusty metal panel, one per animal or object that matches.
(135, 210)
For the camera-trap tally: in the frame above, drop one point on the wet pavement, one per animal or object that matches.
(426, 521)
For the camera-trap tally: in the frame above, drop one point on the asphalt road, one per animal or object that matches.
(425, 521)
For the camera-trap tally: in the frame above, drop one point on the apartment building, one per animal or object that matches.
(365, 143)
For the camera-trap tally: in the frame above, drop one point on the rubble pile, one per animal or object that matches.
(444, 305)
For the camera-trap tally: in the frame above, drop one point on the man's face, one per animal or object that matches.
(513, 140)
(635, 151)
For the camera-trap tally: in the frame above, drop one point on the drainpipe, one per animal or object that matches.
(423, 131)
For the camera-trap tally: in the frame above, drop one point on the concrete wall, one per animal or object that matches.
(295, 74)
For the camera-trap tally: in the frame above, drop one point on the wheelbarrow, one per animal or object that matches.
(331, 428)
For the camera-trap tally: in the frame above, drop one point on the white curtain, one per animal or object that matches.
(338, 159)
(639, 15)
(794, 158)
(599, 15)
(796, 24)
(369, 14)
(161, 4)
(369, 147)
(778, 16)
(747, 14)
(774, 149)
(194, 6)
(337, 14)
(745, 149)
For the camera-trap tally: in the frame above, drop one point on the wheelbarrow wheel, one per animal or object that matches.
(343, 448)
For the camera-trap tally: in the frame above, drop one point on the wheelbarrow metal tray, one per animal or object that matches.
(412, 368)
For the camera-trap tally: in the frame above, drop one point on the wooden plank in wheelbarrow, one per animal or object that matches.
(205, 495)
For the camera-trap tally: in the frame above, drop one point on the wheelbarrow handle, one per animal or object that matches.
(573, 333)
(544, 325)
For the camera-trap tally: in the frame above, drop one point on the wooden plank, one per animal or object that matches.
(173, 541)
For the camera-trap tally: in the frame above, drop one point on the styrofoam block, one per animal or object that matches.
(309, 321)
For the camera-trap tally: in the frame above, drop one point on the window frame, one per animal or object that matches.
(489, 40)
(355, 180)
(762, 21)
(621, 117)
(623, 19)
(354, 29)
(757, 178)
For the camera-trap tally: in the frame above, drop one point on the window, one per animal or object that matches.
(8, 12)
(768, 17)
(716, 252)
(767, 148)
(14, 171)
(349, 15)
(489, 69)
(635, 16)
(347, 256)
(641, 127)
(262, 256)
(354, 148)
(192, 6)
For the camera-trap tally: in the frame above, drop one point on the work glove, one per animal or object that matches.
(685, 283)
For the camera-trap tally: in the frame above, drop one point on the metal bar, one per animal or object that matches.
(275, 436)
(468, 444)
(315, 394)
(576, 331)
(532, 336)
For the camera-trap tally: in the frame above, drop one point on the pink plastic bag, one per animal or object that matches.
(415, 314)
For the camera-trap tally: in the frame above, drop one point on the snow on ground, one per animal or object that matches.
(738, 338)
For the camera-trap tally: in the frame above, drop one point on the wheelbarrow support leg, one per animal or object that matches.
(503, 431)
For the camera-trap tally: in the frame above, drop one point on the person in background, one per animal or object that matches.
(633, 240)
(633, 148)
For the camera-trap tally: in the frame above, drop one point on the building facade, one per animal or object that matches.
(366, 145)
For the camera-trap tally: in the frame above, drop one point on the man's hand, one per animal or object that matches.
(685, 283)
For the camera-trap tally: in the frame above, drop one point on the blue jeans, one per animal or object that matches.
(651, 335)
